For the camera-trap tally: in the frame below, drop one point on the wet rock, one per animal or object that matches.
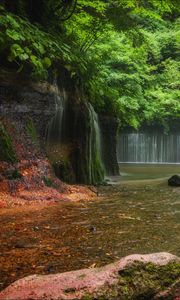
(132, 277)
(174, 180)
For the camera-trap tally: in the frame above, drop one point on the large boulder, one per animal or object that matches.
(174, 180)
(153, 276)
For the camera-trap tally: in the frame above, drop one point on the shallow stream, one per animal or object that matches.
(134, 216)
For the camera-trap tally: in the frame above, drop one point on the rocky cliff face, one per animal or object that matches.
(109, 128)
(26, 105)
(55, 120)
(25, 109)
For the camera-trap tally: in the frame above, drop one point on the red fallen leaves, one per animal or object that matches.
(4, 187)
(23, 182)
(30, 188)
(42, 196)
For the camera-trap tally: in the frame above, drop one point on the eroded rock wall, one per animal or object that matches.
(25, 109)
(109, 128)
(28, 108)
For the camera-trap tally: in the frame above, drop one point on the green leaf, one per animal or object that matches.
(39, 47)
(46, 62)
(23, 56)
(16, 50)
(34, 60)
(14, 35)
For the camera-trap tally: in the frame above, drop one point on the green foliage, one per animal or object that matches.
(137, 81)
(27, 45)
(123, 53)
(126, 71)
(31, 130)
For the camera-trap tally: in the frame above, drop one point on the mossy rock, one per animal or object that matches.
(142, 282)
(31, 131)
(64, 171)
(97, 171)
(145, 281)
(7, 152)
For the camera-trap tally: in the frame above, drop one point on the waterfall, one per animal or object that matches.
(95, 161)
(55, 126)
(149, 148)
(55, 132)
(74, 141)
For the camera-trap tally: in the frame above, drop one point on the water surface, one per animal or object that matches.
(133, 217)
(142, 171)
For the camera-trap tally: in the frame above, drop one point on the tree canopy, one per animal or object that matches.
(125, 52)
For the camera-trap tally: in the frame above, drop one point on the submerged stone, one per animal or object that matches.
(174, 180)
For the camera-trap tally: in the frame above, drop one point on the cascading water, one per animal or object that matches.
(149, 148)
(95, 162)
(74, 141)
(55, 132)
(55, 126)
